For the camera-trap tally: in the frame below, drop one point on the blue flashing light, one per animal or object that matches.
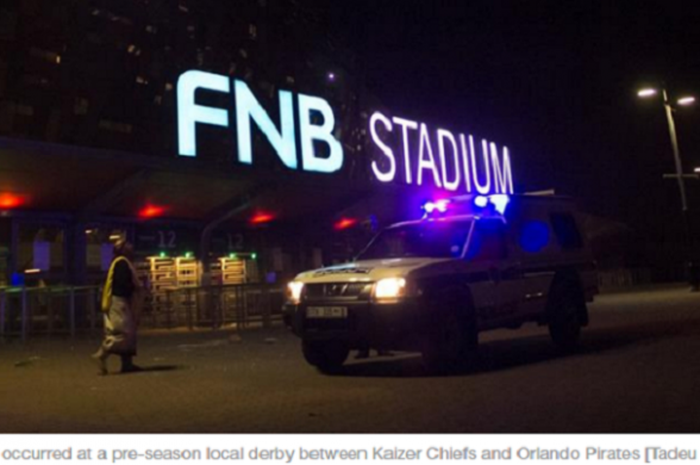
(534, 236)
(488, 205)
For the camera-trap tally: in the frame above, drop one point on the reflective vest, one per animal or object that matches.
(107, 290)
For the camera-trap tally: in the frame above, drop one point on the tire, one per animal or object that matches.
(326, 356)
(565, 316)
(454, 339)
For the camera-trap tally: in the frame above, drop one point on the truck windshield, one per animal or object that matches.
(433, 239)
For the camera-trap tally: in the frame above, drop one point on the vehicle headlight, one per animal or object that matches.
(390, 288)
(294, 289)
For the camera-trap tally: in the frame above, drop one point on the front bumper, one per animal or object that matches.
(392, 326)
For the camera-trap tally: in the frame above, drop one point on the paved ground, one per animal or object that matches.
(638, 370)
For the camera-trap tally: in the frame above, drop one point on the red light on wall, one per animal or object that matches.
(9, 201)
(344, 223)
(260, 218)
(151, 211)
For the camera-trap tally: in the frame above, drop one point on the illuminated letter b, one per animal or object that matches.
(310, 132)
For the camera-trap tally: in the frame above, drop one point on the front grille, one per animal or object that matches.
(337, 290)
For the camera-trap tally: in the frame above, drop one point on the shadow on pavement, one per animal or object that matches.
(516, 352)
(154, 368)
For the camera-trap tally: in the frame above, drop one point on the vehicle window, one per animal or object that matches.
(566, 231)
(438, 239)
(488, 242)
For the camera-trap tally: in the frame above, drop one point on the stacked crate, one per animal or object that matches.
(187, 275)
(187, 272)
(160, 274)
(233, 271)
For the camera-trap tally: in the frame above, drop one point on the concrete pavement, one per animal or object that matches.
(638, 371)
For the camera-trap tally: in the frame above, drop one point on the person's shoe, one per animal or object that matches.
(101, 363)
(131, 369)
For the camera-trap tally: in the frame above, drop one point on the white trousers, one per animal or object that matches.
(120, 328)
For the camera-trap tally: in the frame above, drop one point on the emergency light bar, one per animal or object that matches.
(439, 205)
(467, 204)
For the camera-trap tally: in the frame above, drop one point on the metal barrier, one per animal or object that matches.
(67, 310)
(640, 276)
(48, 310)
(623, 277)
(215, 306)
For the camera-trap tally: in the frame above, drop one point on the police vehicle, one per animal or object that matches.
(471, 264)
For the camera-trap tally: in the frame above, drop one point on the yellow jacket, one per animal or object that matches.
(107, 290)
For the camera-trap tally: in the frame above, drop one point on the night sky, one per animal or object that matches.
(554, 81)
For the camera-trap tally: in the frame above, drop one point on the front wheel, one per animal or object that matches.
(564, 319)
(327, 356)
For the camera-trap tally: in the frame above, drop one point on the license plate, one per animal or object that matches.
(327, 312)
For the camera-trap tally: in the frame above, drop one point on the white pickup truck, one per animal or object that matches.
(471, 264)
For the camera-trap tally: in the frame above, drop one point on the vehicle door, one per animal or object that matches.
(544, 243)
(493, 275)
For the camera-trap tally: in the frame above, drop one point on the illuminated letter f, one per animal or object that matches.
(189, 113)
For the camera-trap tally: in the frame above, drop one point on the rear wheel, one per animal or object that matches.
(327, 356)
(565, 316)
(453, 340)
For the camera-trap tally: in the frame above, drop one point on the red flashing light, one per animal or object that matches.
(151, 211)
(344, 223)
(9, 201)
(260, 218)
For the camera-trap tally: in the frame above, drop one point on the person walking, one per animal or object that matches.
(121, 299)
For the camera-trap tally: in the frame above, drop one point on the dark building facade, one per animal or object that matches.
(103, 73)
(88, 139)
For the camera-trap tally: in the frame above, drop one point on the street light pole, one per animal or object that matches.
(693, 265)
(677, 157)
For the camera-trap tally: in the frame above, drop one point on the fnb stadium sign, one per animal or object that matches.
(248, 109)
(454, 165)
(443, 159)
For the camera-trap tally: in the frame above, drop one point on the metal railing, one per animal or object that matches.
(69, 310)
(48, 310)
(216, 306)
(640, 276)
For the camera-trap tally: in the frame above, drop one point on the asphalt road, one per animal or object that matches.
(638, 371)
